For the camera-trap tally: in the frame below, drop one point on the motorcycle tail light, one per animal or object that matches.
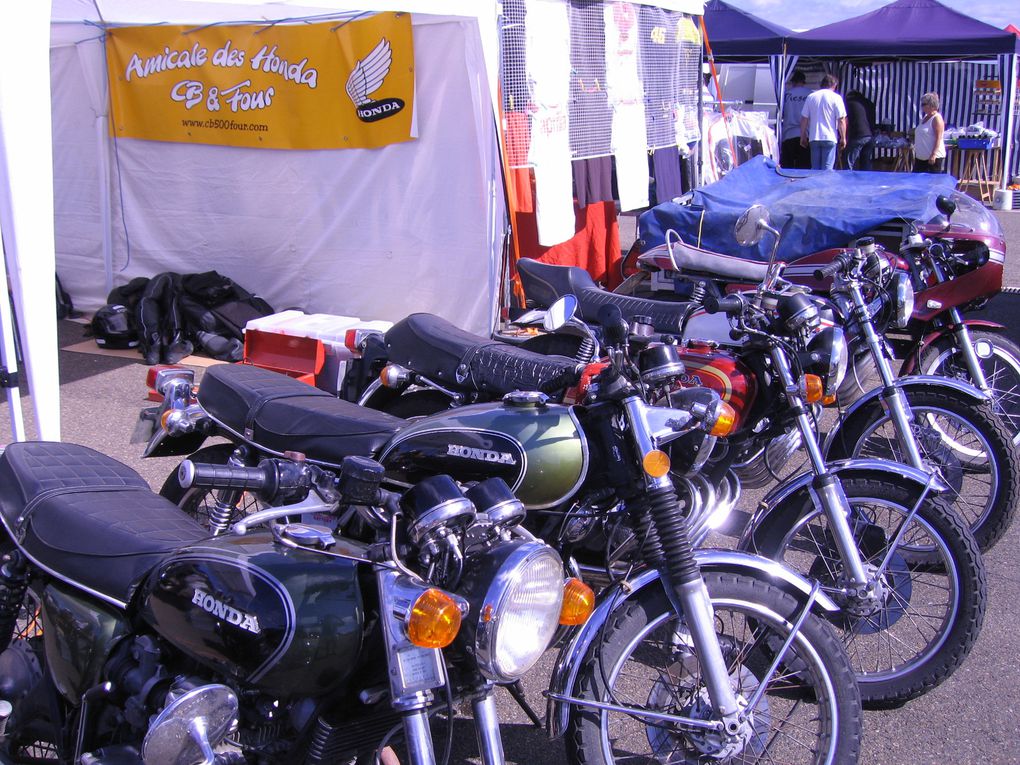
(578, 603)
(656, 463)
(813, 388)
(725, 420)
(434, 620)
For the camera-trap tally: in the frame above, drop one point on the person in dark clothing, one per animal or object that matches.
(860, 147)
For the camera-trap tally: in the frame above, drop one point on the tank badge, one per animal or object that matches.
(484, 455)
(221, 610)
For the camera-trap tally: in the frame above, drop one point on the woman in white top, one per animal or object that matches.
(929, 150)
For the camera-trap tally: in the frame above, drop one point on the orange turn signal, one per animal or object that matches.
(813, 388)
(656, 463)
(829, 400)
(725, 421)
(392, 376)
(578, 602)
(434, 620)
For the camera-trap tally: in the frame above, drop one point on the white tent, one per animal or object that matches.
(370, 233)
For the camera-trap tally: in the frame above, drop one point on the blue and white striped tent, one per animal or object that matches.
(907, 48)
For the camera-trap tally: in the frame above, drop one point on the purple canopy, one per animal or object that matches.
(733, 32)
(906, 28)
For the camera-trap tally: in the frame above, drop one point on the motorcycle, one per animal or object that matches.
(915, 419)
(596, 480)
(954, 267)
(953, 424)
(131, 636)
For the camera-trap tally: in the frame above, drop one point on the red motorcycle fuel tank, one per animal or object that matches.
(286, 620)
(709, 367)
(539, 450)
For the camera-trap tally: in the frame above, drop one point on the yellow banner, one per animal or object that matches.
(337, 85)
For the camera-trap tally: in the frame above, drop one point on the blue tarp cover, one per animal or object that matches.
(814, 209)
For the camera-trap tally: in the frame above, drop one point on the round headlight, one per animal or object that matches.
(516, 593)
(903, 295)
(830, 357)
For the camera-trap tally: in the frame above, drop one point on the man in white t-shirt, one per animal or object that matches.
(823, 124)
(791, 153)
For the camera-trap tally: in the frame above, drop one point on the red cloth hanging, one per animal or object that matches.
(595, 247)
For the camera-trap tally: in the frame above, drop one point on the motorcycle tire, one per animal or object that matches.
(816, 687)
(1001, 368)
(934, 596)
(198, 502)
(967, 441)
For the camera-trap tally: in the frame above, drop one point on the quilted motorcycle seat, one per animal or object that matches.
(86, 518)
(447, 354)
(715, 265)
(279, 413)
(544, 283)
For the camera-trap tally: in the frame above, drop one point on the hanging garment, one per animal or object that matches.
(668, 178)
(548, 66)
(593, 180)
(626, 99)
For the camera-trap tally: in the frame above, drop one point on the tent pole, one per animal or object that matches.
(104, 198)
(1008, 72)
(9, 357)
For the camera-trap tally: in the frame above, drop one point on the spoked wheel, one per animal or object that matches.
(925, 612)
(199, 502)
(1000, 361)
(645, 661)
(968, 445)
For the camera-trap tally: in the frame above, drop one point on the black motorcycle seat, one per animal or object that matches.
(435, 348)
(279, 413)
(543, 283)
(86, 518)
(696, 261)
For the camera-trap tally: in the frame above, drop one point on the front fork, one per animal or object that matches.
(826, 487)
(690, 597)
(894, 400)
(970, 357)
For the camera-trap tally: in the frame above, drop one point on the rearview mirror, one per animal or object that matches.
(560, 313)
(751, 225)
(945, 205)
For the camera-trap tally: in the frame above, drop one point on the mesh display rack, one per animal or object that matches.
(667, 82)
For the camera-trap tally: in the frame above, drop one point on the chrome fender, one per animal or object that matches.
(903, 383)
(571, 656)
(773, 501)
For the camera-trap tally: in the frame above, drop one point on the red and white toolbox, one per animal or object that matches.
(312, 347)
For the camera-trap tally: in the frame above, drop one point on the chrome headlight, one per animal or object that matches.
(903, 299)
(516, 594)
(829, 356)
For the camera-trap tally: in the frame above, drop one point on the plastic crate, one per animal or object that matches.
(973, 143)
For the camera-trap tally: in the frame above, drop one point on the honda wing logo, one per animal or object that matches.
(367, 78)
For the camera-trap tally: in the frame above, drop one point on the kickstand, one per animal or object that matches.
(517, 691)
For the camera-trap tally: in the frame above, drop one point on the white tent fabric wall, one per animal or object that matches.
(370, 233)
(26, 201)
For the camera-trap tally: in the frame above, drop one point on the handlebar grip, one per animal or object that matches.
(731, 305)
(564, 379)
(830, 270)
(838, 263)
(195, 474)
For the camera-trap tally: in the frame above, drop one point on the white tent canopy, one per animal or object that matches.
(371, 233)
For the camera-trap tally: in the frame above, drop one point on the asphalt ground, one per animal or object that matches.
(974, 717)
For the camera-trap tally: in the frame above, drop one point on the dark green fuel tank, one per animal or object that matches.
(540, 451)
(287, 621)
